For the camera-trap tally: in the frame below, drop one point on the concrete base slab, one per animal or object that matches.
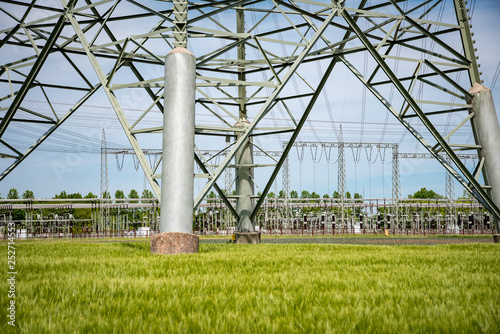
(247, 237)
(496, 238)
(174, 243)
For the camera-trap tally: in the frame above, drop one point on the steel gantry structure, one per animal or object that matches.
(248, 55)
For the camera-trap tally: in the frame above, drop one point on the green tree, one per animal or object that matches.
(347, 194)
(133, 194)
(75, 196)
(336, 194)
(281, 194)
(134, 214)
(146, 193)
(271, 195)
(314, 195)
(326, 196)
(16, 214)
(358, 197)
(28, 194)
(13, 194)
(465, 195)
(305, 194)
(106, 195)
(61, 195)
(294, 194)
(90, 195)
(119, 194)
(423, 193)
(211, 195)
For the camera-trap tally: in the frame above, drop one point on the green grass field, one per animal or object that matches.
(119, 287)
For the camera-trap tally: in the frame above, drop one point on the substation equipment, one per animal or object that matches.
(80, 218)
(129, 218)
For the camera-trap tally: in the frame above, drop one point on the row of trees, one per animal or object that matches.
(14, 194)
(19, 215)
(28, 194)
(133, 194)
(295, 194)
(423, 193)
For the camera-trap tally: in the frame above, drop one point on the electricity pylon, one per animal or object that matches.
(249, 53)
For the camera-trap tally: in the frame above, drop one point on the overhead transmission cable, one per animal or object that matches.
(495, 77)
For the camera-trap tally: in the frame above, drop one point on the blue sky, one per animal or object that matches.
(77, 169)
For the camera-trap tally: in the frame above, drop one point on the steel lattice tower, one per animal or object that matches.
(396, 185)
(104, 182)
(342, 176)
(450, 187)
(244, 69)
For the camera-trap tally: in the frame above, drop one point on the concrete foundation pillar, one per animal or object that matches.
(174, 243)
(247, 237)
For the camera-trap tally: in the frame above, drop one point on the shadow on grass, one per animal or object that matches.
(136, 246)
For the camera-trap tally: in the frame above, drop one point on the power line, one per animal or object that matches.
(495, 77)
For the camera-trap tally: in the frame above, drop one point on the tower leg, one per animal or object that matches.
(244, 157)
(244, 186)
(488, 133)
(176, 219)
(246, 233)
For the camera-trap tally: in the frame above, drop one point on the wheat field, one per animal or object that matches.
(119, 287)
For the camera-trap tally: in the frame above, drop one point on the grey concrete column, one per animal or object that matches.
(178, 142)
(244, 184)
(488, 135)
